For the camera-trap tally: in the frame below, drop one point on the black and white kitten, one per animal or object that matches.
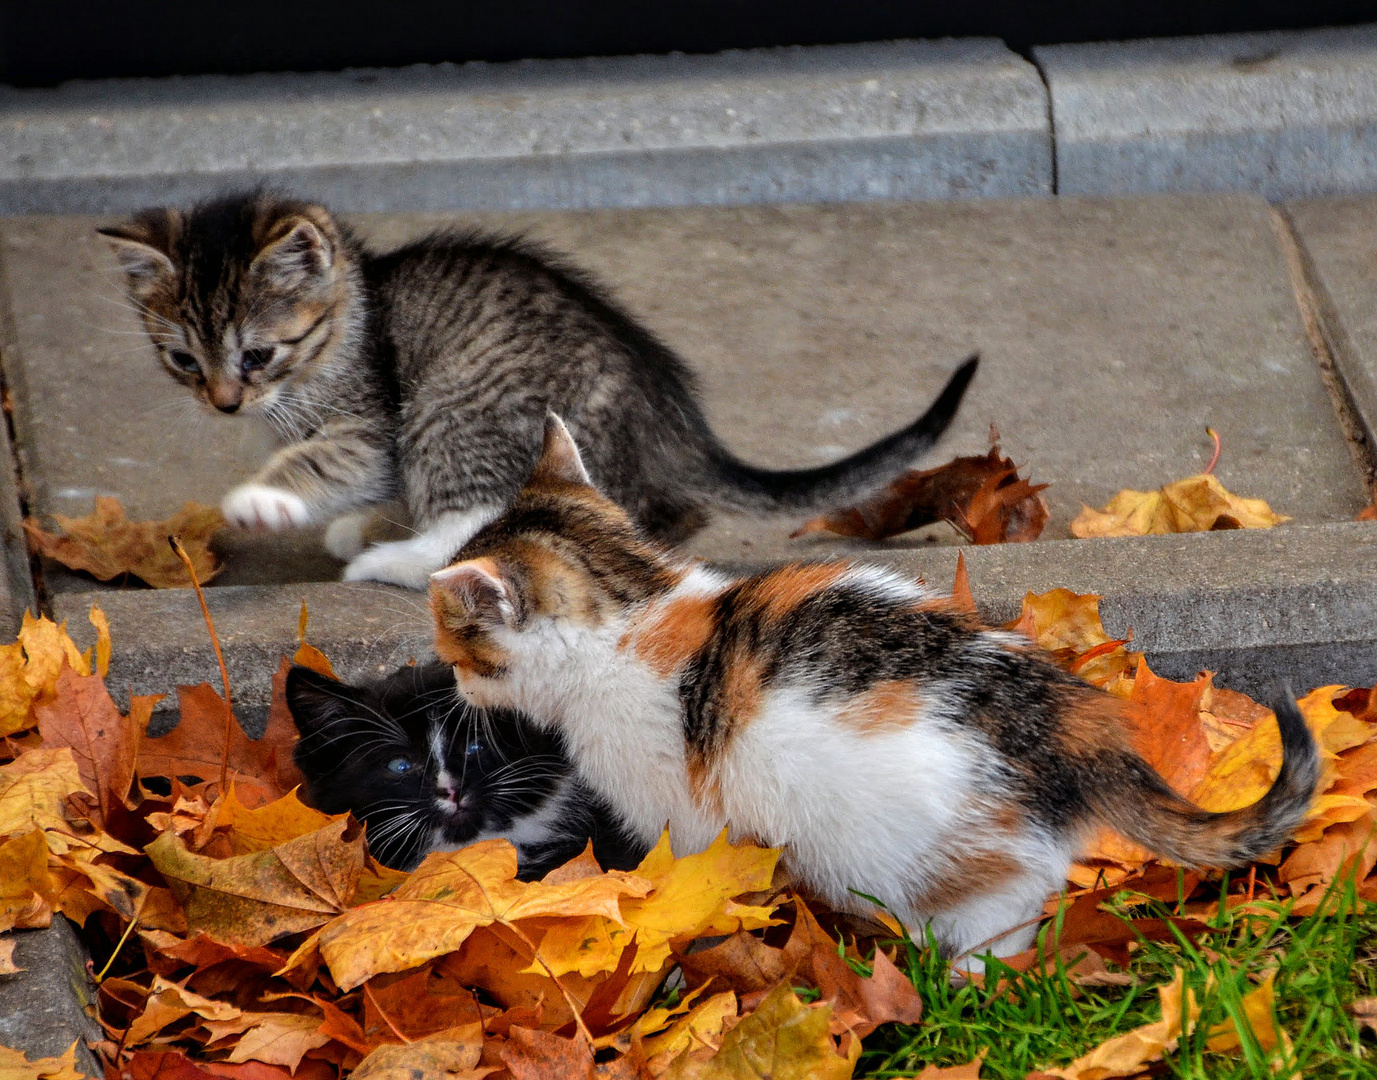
(426, 373)
(427, 772)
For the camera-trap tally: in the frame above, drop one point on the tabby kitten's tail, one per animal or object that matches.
(739, 486)
(1139, 804)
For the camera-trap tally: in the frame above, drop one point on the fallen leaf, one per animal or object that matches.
(7, 965)
(34, 789)
(1195, 504)
(106, 544)
(444, 900)
(254, 899)
(539, 1055)
(278, 1039)
(701, 1025)
(961, 596)
(1126, 1054)
(968, 1071)
(1364, 1011)
(196, 747)
(1259, 1010)
(174, 1065)
(168, 1003)
(427, 1059)
(982, 496)
(26, 888)
(15, 1066)
(783, 1039)
(81, 715)
(1166, 728)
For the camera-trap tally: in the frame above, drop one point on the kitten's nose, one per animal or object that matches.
(226, 396)
(228, 407)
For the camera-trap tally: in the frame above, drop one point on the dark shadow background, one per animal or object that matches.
(43, 42)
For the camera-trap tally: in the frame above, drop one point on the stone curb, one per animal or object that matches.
(44, 1008)
(1256, 606)
(909, 119)
(1288, 114)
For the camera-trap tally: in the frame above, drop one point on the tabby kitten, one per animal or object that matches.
(887, 741)
(426, 372)
(426, 772)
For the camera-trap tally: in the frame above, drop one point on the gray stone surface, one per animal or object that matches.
(1339, 237)
(1293, 602)
(160, 638)
(43, 1009)
(16, 577)
(1113, 332)
(909, 119)
(1287, 114)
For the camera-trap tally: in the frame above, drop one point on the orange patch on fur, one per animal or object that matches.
(966, 874)
(1093, 721)
(741, 690)
(890, 705)
(460, 643)
(783, 590)
(672, 634)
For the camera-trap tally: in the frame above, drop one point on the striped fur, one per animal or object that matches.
(886, 741)
(426, 373)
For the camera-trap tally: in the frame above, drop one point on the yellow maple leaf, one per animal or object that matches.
(692, 896)
(1259, 1010)
(26, 887)
(34, 788)
(1196, 504)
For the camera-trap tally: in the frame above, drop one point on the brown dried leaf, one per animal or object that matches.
(253, 899)
(983, 497)
(107, 545)
(427, 1059)
(82, 715)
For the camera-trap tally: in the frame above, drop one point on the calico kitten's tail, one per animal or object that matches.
(739, 486)
(1140, 805)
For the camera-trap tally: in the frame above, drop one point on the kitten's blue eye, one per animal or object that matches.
(474, 748)
(253, 359)
(184, 360)
(400, 765)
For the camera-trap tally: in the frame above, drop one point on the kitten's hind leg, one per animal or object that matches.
(1002, 922)
(410, 563)
(344, 535)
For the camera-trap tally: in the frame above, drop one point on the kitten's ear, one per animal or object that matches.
(142, 246)
(475, 592)
(560, 462)
(315, 699)
(295, 252)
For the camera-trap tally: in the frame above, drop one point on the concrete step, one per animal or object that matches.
(1113, 333)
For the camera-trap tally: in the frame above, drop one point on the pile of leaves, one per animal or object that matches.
(240, 933)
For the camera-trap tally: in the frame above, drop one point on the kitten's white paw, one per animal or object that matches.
(258, 506)
(402, 562)
(344, 536)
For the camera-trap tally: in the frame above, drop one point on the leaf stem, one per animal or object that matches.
(1217, 447)
(100, 977)
(180, 552)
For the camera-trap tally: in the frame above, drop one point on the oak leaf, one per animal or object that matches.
(983, 497)
(255, 898)
(107, 545)
(1196, 504)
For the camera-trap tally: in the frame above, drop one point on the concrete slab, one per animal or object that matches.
(1289, 114)
(43, 1009)
(1113, 333)
(1339, 237)
(909, 119)
(1258, 606)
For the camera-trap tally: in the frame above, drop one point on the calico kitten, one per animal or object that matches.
(427, 371)
(426, 772)
(888, 742)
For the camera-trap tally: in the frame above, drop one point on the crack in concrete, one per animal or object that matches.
(1328, 342)
(22, 566)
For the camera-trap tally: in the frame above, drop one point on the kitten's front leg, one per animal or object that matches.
(307, 482)
(410, 563)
